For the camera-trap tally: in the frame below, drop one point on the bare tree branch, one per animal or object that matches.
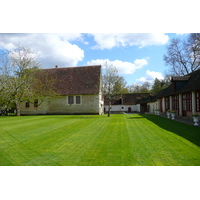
(183, 57)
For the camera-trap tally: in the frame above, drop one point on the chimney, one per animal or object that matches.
(56, 66)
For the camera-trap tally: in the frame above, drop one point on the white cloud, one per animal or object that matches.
(150, 77)
(110, 40)
(52, 49)
(122, 66)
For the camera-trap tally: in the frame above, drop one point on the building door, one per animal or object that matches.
(129, 109)
(175, 103)
(167, 104)
(198, 101)
(187, 103)
(184, 110)
(161, 110)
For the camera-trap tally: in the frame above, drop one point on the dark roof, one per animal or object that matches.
(144, 100)
(180, 78)
(150, 98)
(166, 91)
(192, 84)
(181, 84)
(127, 99)
(76, 80)
(154, 98)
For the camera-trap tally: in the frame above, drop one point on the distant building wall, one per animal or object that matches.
(123, 108)
(84, 104)
(153, 106)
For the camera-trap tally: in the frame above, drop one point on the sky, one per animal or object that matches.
(137, 56)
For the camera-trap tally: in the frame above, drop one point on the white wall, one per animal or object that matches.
(89, 104)
(123, 108)
(153, 106)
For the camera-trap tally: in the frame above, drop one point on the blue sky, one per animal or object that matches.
(137, 56)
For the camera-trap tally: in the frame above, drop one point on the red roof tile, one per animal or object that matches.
(76, 80)
(127, 99)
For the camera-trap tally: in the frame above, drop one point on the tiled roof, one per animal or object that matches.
(180, 78)
(166, 91)
(193, 83)
(76, 80)
(150, 98)
(128, 99)
(181, 84)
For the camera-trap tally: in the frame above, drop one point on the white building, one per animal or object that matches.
(127, 103)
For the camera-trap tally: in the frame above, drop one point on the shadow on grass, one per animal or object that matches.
(135, 117)
(186, 131)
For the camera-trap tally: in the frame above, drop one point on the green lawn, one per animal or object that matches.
(123, 139)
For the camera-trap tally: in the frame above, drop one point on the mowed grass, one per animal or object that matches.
(121, 140)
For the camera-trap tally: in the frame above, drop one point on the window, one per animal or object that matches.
(175, 104)
(198, 101)
(161, 110)
(27, 104)
(74, 100)
(167, 103)
(70, 100)
(78, 100)
(187, 102)
(36, 103)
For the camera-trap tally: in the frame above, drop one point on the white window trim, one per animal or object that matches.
(74, 98)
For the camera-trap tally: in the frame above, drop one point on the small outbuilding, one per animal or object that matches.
(79, 91)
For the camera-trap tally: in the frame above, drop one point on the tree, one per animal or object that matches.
(120, 86)
(183, 56)
(145, 87)
(18, 69)
(113, 85)
(160, 84)
(135, 88)
(157, 86)
(43, 87)
(16, 66)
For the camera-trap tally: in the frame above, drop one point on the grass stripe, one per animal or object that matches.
(121, 140)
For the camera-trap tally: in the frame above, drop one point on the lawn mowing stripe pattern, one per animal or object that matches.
(121, 140)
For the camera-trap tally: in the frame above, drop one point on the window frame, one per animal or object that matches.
(70, 100)
(78, 101)
(187, 101)
(197, 101)
(74, 99)
(175, 102)
(167, 103)
(27, 104)
(36, 103)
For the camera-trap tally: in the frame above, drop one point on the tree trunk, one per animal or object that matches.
(109, 105)
(17, 108)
